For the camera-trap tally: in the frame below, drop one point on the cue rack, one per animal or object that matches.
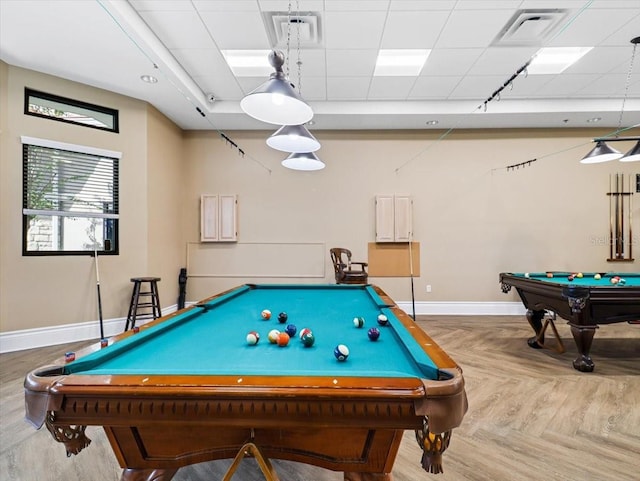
(619, 203)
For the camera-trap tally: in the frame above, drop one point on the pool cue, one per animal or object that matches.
(95, 253)
(413, 296)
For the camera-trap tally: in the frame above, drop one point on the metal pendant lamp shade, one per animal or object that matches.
(303, 161)
(293, 138)
(633, 155)
(601, 153)
(276, 101)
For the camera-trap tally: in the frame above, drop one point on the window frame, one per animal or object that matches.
(27, 212)
(29, 93)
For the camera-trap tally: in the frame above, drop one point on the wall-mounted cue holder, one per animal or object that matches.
(621, 210)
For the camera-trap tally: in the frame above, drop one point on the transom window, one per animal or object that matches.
(54, 107)
(70, 198)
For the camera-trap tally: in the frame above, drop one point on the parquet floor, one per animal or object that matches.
(531, 417)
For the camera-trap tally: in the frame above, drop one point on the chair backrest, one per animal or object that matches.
(341, 259)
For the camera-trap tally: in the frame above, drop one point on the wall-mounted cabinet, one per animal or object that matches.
(218, 218)
(393, 218)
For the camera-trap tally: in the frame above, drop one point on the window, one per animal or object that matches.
(53, 107)
(70, 198)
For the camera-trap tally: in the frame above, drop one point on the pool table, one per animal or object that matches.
(188, 387)
(584, 301)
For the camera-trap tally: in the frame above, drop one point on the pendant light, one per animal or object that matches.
(633, 155)
(303, 161)
(601, 153)
(293, 138)
(276, 101)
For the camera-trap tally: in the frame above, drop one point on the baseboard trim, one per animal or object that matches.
(50, 336)
(53, 335)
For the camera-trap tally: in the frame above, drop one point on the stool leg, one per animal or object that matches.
(155, 300)
(133, 307)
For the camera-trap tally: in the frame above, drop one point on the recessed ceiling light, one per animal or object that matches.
(150, 79)
(554, 60)
(248, 63)
(400, 63)
(432, 122)
(594, 119)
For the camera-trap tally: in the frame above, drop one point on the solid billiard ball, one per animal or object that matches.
(304, 331)
(341, 352)
(549, 275)
(383, 320)
(283, 339)
(273, 336)
(266, 314)
(579, 275)
(526, 274)
(282, 317)
(291, 329)
(358, 321)
(308, 339)
(571, 277)
(373, 333)
(597, 277)
(252, 338)
(614, 280)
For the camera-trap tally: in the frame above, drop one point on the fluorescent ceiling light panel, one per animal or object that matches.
(554, 60)
(248, 63)
(400, 63)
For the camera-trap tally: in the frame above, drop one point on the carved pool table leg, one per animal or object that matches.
(535, 321)
(583, 337)
(149, 474)
(367, 476)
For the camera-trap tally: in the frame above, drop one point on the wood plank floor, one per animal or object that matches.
(531, 417)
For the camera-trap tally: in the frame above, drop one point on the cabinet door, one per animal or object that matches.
(228, 223)
(209, 218)
(385, 230)
(402, 215)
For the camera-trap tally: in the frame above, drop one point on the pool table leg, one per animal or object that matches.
(535, 321)
(367, 476)
(149, 474)
(583, 337)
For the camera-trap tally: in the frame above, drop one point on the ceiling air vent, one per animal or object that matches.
(279, 24)
(530, 27)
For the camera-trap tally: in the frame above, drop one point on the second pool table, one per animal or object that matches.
(188, 388)
(585, 302)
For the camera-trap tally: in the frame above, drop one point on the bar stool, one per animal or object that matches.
(151, 300)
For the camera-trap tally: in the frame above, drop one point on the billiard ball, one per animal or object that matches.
(341, 352)
(282, 317)
(622, 282)
(273, 336)
(597, 277)
(614, 280)
(526, 274)
(549, 275)
(358, 321)
(304, 331)
(283, 339)
(252, 338)
(266, 314)
(571, 277)
(383, 320)
(291, 329)
(579, 275)
(308, 339)
(373, 333)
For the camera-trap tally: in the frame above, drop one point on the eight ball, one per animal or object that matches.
(282, 317)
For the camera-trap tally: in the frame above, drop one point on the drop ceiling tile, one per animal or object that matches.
(477, 87)
(351, 63)
(353, 30)
(433, 87)
(417, 5)
(311, 88)
(451, 61)
(178, 29)
(313, 62)
(484, 5)
(601, 60)
(390, 88)
(472, 28)
(566, 86)
(220, 86)
(283, 5)
(356, 5)
(585, 30)
(159, 5)
(623, 34)
(502, 60)
(413, 29)
(612, 84)
(224, 29)
(347, 88)
(225, 5)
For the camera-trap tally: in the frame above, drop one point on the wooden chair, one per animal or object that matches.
(344, 269)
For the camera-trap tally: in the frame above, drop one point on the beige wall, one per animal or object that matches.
(49, 291)
(472, 217)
